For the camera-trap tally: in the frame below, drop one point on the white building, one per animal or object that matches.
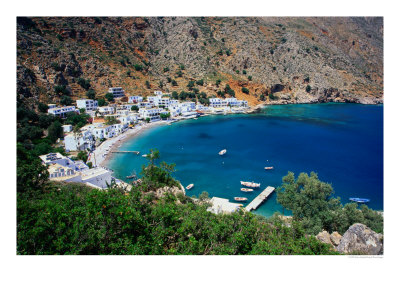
(129, 119)
(152, 113)
(203, 108)
(117, 92)
(162, 102)
(187, 106)
(106, 110)
(61, 112)
(87, 104)
(215, 102)
(67, 128)
(62, 168)
(135, 99)
(145, 105)
(79, 141)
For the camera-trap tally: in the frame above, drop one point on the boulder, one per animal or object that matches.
(335, 238)
(359, 239)
(324, 237)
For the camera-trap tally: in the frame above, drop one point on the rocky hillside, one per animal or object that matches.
(276, 60)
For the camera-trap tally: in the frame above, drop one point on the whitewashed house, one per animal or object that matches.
(145, 105)
(152, 113)
(117, 92)
(87, 104)
(215, 102)
(106, 110)
(61, 112)
(135, 99)
(79, 141)
(67, 128)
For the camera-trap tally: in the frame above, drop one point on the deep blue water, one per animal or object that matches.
(343, 143)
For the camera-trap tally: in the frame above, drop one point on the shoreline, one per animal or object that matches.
(103, 153)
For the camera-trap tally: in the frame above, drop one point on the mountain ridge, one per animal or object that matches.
(287, 60)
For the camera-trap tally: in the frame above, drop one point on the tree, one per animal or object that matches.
(174, 95)
(262, 97)
(55, 131)
(82, 155)
(166, 69)
(190, 84)
(165, 116)
(43, 107)
(250, 78)
(135, 108)
(200, 82)
(312, 203)
(102, 102)
(174, 83)
(109, 97)
(148, 120)
(179, 73)
(32, 175)
(218, 82)
(111, 120)
(84, 83)
(61, 90)
(245, 90)
(308, 88)
(91, 94)
(244, 72)
(66, 100)
(147, 83)
(138, 67)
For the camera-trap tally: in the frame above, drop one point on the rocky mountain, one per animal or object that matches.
(271, 59)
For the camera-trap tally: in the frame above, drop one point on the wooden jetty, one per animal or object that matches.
(136, 152)
(260, 198)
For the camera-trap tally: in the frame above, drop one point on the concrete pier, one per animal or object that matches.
(260, 198)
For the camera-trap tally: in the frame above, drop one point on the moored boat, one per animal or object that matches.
(268, 168)
(240, 198)
(250, 184)
(359, 200)
(144, 155)
(246, 190)
(222, 152)
(190, 186)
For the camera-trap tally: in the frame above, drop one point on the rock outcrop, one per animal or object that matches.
(359, 239)
(335, 238)
(324, 237)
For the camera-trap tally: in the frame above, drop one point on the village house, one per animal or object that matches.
(152, 113)
(87, 104)
(79, 141)
(117, 92)
(106, 110)
(62, 112)
(135, 99)
(62, 168)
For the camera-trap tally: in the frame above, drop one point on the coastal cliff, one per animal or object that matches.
(263, 60)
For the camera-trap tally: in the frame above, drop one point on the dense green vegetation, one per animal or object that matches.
(312, 204)
(74, 219)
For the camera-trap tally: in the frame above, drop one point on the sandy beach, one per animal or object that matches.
(103, 152)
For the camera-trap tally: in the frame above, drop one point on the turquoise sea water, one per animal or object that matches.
(343, 143)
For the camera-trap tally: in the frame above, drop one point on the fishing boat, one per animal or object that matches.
(132, 176)
(246, 190)
(190, 186)
(359, 200)
(144, 155)
(268, 168)
(222, 152)
(250, 184)
(240, 198)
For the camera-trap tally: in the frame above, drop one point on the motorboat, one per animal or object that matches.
(268, 168)
(240, 198)
(190, 186)
(250, 184)
(222, 152)
(359, 200)
(246, 190)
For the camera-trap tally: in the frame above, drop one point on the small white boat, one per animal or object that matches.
(222, 152)
(246, 190)
(144, 155)
(190, 186)
(250, 184)
(268, 168)
(240, 199)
